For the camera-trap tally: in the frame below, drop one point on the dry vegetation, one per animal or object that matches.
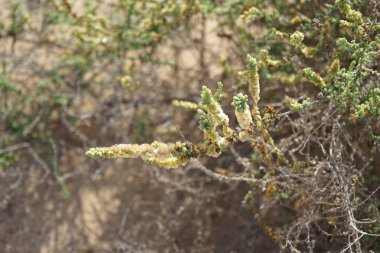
(83, 74)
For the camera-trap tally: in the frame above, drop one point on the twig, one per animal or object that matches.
(14, 147)
(196, 164)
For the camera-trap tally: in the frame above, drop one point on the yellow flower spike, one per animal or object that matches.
(185, 104)
(157, 153)
(314, 78)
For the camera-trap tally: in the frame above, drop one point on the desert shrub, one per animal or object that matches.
(322, 69)
(295, 116)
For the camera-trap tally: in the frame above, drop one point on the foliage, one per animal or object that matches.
(340, 47)
(310, 82)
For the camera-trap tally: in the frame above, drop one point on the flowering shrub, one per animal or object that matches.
(291, 108)
(337, 50)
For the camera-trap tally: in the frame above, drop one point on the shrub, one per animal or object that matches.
(313, 160)
(298, 125)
